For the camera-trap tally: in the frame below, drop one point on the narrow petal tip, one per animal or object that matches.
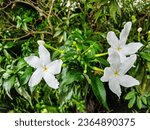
(128, 24)
(40, 42)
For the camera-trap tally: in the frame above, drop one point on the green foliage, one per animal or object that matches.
(77, 35)
(99, 90)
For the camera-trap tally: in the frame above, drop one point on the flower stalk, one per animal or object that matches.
(101, 54)
(54, 49)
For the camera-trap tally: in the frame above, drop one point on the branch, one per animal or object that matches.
(49, 14)
(28, 34)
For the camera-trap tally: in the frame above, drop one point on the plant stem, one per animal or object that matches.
(101, 54)
(52, 48)
(96, 68)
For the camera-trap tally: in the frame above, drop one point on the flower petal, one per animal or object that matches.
(35, 78)
(122, 57)
(55, 67)
(114, 86)
(40, 42)
(113, 58)
(44, 55)
(124, 33)
(127, 64)
(128, 81)
(131, 48)
(107, 74)
(51, 80)
(33, 61)
(112, 39)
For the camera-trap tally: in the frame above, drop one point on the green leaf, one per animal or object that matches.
(145, 55)
(99, 90)
(131, 102)
(60, 39)
(24, 26)
(65, 36)
(70, 76)
(114, 9)
(73, 15)
(57, 33)
(8, 56)
(24, 93)
(65, 96)
(18, 18)
(21, 63)
(26, 75)
(130, 95)
(27, 19)
(9, 45)
(19, 23)
(7, 85)
(144, 100)
(139, 102)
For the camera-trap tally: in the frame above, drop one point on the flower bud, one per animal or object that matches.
(139, 29)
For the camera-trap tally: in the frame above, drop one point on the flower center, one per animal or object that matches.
(45, 69)
(116, 73)
(118, 48)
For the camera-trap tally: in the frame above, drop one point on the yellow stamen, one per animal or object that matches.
(45, 69)
(118, 48)
(116, 73)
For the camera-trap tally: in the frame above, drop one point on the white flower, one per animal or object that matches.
(120, 4)
(139, 29)
(44, 67)
(136, 2)
(120, 46)
(116, 73)
(68, 4)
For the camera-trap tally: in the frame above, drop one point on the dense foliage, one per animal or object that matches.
(74, 32)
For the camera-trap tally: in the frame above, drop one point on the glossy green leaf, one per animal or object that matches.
(24, 93)
(144, 100)
(70, 77)
(27, 19)
(114, 9)
(131, 102)
(57, 33)
(9, 45)
(26, 76)
(21, 63)
(145, 55)
(24, 26)
(130, 95)
(139, 102)
(99, 90)
(8, 84)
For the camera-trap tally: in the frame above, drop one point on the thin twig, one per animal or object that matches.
(28, 34)
(49, 14)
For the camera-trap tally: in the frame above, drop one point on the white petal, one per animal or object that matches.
(131, 48)
(33, 61)
(127, 64)
(44, 55)
(51, 80)
(112, 39)
(107, 74)
(35, 78)
(122, 57)
(128, 81)
(55, 67)
(125, 32)
(40, 42)
(113, 58)
(114, 86)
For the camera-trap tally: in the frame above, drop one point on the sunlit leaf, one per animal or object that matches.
(8, 84)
